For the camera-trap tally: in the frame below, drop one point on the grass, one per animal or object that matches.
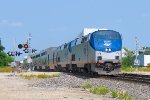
(128, 69)
(87, 86)
(144, 69)
(28, 76)
(133, 69)
(100, 90)
(6, 69)
(40, 76)
(114, 94)
(124, 96)
(121, 95)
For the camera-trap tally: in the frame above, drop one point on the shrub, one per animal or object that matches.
(144, 69)
(41, 76)
(6, 69)
(128, 69)
(29, 76)
(124, 96)
(114, 94)
(100, 90)
(87, 86)
(148, 65)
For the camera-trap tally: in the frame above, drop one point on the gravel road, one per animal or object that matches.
(65, 87)
(18, 88)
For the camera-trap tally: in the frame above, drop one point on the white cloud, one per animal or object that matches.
(10, 23)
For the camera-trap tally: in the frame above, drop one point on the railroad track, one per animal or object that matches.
(124, 76)
(132, 77)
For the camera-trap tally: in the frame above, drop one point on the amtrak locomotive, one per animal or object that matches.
(97, 52)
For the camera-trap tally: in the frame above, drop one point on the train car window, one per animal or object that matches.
(37, 55)
(73, 57)
(73, 43)
(65, 46)
(62, 47)
(78, 41)
(44, 53)
(84, 39)
(58, 59)
(33, 57)
(88, 37)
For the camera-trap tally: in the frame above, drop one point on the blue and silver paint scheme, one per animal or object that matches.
(107, 45)
(98, 51)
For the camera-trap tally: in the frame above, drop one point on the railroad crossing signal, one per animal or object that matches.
(26, 50)
(14, 53)
(34, 50)
(20, 46)
(25, 46)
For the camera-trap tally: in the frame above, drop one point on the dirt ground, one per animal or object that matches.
(16, 88)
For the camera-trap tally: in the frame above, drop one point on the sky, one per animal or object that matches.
(55, 22)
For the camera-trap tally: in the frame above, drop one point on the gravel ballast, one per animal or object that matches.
(137, 90)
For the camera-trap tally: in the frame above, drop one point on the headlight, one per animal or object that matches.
(117, 54)
(107, 49)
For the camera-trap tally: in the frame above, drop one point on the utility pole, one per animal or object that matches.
(30, 50)
(0, 42)
(136, 62)
(14, 52)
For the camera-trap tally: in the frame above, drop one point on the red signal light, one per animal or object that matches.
(25, 45)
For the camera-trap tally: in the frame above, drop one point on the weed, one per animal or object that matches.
(114, 94)
(29, 76)
(100, 90)
(128, 69)
(87, 86)
(6, 69)
(124, 96)
(41, 76)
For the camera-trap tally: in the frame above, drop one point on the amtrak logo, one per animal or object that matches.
(107, 43)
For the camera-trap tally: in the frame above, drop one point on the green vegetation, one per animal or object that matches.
(146, 51)
(4, 58)
(87, 86)
(28, 76)
(100, 90)
(124, 96)
(128, 69)
(105, 90)
(40, 76)
(129, 60)
(114, 94)
(121, 95)
(6, 69)
(133, 69)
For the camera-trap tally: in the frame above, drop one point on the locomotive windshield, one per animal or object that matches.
(103, 39)
(106, 35)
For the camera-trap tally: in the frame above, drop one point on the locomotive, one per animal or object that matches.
(96, 52)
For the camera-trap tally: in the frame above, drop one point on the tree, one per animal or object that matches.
(4, 58)
(147, 51)
(129, 60)
(1, 48)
